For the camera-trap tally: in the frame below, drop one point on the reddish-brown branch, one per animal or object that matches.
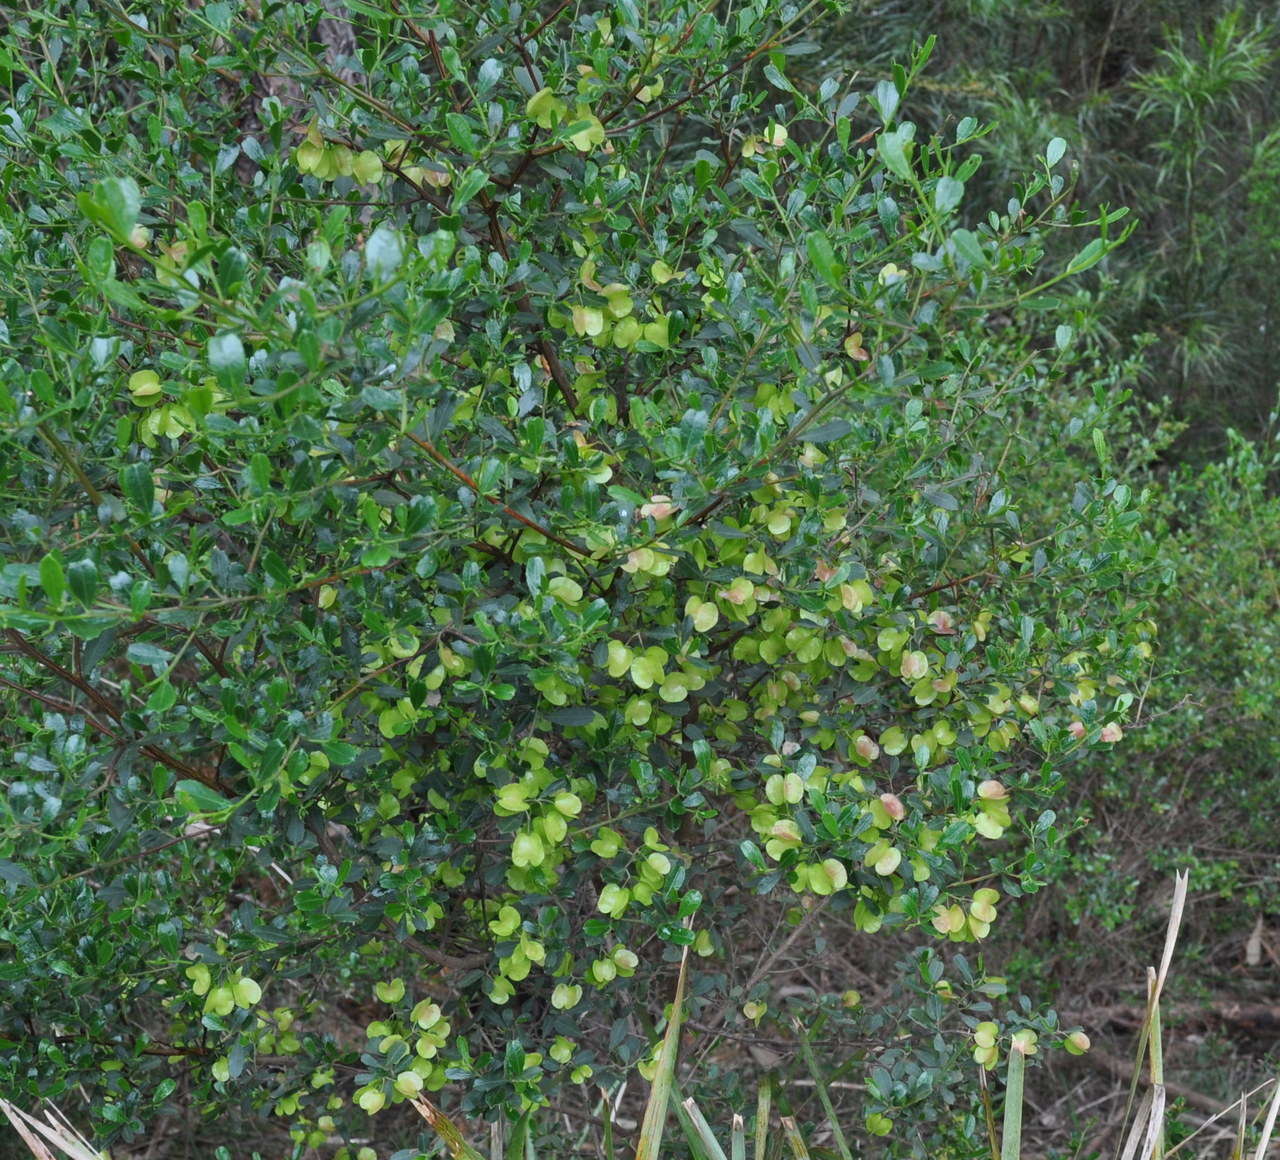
(457, 472)
(104, 704)
(554, 366)
(523, 40)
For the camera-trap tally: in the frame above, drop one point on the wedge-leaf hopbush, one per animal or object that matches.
(475, 531)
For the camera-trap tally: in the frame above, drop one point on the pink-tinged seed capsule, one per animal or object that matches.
(893, 806)
(941, 621)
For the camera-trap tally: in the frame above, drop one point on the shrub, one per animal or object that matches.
(1198, 779)
(563, 496)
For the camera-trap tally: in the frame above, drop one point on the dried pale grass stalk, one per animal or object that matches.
(1270, 1125)
(57, 1131)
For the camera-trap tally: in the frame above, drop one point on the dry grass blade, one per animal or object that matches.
(649, 1146)
(1180, 880)
(1138, 1128)
(1156, 1053)
(1239, 1107)
(1270, 1125)
(446, 1129)
(38, 1150)
(1155, 1125)
(1154, 989)
(62, 1136)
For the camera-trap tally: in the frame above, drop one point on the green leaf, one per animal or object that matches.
(142, 653)
(824, 259)
(885, 98)
(1100, 446)
(461, 133)
(100, 262)
(198, 798)
(894, 147)
(114, 203)
(968, 247)
(138, 486)
(649, 1146)
(1089, 256)
(14, 874)
(754, 184)
(774, 76)
(470, 183)
(258, 473)
(383, 253)
(82, 576)
(52, 579)
(947, 194)
(226, 359)
(828, 432)
(163, 698)
(513, 1060)
(1054, 153)
(339, 752)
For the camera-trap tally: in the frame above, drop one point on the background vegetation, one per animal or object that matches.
(498, 503)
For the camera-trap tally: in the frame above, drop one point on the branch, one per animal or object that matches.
(456, 471)
(166, 759)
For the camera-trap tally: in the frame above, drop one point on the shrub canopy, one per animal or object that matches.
(502, 518)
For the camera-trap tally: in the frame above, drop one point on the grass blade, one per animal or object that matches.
(1155, 1126)
(792, 1133)
(764, 1102)
(446, 1129)
(1156, 1052)
(1011, 1129)
(649, 1146)
(1180, 881)
(1270, 1125)
(705, 1135)
(607, 1112)
(691, 1137)
(820, 1084)
(62, 1136)
(1140, 1122)
(738, 1139)
(520, 1145)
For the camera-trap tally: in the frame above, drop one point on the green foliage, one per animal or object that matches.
(1204, 761)
(1170, 108)
(569, 489)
